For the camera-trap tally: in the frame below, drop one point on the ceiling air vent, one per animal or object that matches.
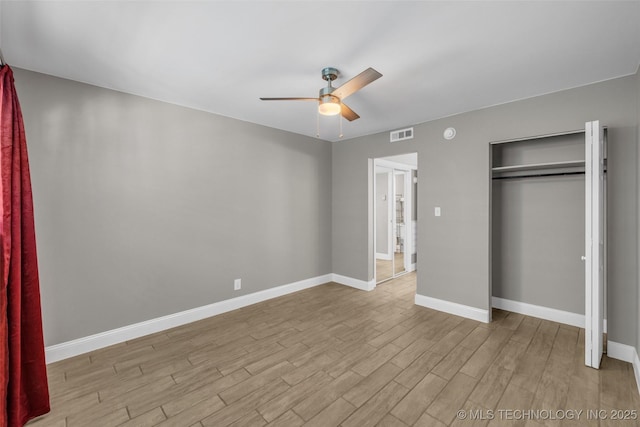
(401, 135)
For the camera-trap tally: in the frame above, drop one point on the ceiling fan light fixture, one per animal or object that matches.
(329, 105)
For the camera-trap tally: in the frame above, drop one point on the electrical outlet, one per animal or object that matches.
(237, 284)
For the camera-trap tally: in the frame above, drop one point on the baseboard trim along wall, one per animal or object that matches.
(83, 345)
(453, 308)
(626, 353)
(354, 283)
(560, 316)
(546, 313)
(79, 346)
(386, 257)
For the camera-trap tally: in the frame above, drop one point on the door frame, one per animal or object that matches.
(407, 209)
(383, 162)
(595, 236)
(594, 321)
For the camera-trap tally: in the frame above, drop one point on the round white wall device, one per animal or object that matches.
(449, 133)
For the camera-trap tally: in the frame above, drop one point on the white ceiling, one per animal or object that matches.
(437, 58)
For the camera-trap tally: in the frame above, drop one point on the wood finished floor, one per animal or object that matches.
(333, 355)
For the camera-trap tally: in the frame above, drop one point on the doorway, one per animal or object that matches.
(395, 215)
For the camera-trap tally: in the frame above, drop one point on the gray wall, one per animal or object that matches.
(144, 209)
(454, 254)
(537, 241)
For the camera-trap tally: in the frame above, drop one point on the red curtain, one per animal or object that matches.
(24, 392)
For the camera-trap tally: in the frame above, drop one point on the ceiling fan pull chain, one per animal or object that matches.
(317, 124)
(340, 126)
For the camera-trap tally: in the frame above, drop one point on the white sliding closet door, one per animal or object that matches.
(594, 243)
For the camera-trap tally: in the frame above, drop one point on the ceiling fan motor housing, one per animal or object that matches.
(326, 92)
(329, 74)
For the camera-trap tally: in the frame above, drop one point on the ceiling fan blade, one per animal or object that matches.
(358, 82)
(348, 113)
(289, 99)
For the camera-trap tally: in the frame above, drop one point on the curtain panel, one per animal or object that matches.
(24, 390)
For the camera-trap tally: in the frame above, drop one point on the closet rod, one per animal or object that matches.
(538, 175)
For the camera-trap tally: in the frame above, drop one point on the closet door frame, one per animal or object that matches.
(595, 231)
(594, 243)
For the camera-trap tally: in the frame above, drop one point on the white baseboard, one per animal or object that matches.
(623, 352)
(93, 342)
(560, 316)
(385, 257)
(412, 267)
(354, 283)
(626, 353)
(453, 308)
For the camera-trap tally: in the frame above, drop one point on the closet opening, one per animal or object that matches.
(548, 195)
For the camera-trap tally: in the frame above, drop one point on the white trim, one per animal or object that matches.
(354, 283)
(408, 223)
(547, 313)
(453, 308)
(394, 165)
(636, 370)
(412, 267)
(626, 353)
(391, 215)
(103, 339)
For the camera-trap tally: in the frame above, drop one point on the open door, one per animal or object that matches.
(594, 243)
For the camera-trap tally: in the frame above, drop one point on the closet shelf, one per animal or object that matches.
(539, 166)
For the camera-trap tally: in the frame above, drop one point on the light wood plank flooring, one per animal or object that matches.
(333, 355)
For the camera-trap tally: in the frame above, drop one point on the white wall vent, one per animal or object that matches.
(401, 135)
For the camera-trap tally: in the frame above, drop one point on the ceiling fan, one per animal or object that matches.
(330, 98)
